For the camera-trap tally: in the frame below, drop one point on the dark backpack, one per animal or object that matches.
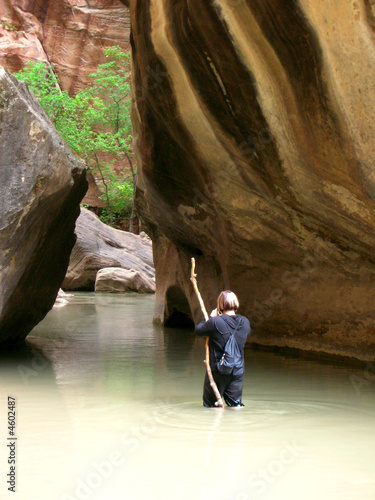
(231, 357)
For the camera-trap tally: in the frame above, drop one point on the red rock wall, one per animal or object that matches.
(70, 34)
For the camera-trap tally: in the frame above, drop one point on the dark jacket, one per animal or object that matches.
(219, 329)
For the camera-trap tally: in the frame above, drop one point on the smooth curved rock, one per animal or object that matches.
(254, 129)
(116, 279)
(99, 246)
(41, 187)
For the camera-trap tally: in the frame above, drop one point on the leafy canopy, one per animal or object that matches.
(95, 123)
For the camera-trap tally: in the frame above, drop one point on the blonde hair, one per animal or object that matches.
(227, 301)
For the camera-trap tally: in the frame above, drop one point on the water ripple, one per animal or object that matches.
(259, 413)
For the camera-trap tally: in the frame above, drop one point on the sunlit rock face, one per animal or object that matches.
(254, 129)
(99, 247)
(41, 187)
(70, 34)
(119, 280)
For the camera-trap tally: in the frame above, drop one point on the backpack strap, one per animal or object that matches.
(223, 328)
(238, 324)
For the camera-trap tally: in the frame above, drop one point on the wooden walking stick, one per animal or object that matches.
(193, 279)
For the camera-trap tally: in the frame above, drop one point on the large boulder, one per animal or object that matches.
(41, 187)
(99, 246)
(116, 279)
(254, 128)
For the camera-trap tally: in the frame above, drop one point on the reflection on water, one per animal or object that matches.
(109, 407)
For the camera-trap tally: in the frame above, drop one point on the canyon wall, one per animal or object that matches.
(254, 126)
(69, 34)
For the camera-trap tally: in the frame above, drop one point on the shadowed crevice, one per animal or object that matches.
(370, 13)
(177, 310)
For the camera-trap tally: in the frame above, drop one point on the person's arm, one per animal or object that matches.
(205, 328)
(248, 327)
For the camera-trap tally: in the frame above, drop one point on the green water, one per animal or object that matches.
(109, 407)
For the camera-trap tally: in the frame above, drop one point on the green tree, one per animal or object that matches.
(95, 124)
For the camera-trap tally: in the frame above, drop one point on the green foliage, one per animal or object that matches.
(95, 123)
(44, 85)
(8, 26)
(120, 194)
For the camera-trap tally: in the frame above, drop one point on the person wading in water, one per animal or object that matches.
(222, 323)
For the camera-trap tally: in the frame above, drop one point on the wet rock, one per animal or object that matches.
(40, 190)
(100, 246)
(116, 279)
(256, 152)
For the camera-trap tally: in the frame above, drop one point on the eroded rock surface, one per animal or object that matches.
(254, 129)
(100, 246)
(69, 34)
(116, 280)
(40, 190)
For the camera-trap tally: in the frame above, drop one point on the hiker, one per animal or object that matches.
(222, 323)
